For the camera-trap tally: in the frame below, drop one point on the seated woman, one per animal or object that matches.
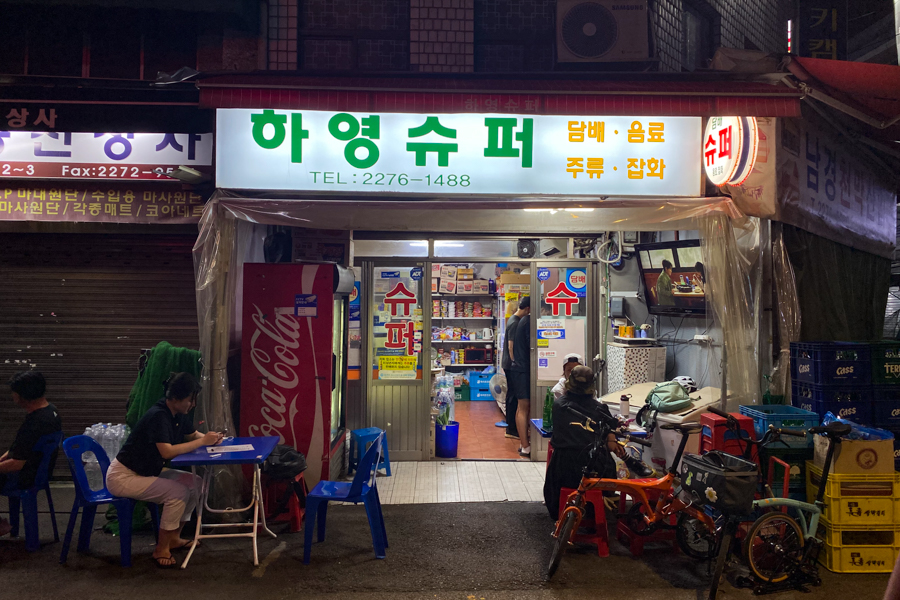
(571, 442)
(164, 432)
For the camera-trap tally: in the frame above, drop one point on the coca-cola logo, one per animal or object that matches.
(845, 371)
(276, 375)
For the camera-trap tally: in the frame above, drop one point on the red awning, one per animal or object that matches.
(547, 97)
(873, 90)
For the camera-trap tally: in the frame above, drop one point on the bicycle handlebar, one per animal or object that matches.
(638, 440)
(796, 432)
(719, 411)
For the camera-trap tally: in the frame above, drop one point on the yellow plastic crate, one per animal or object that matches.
(865, 549)
(859, 559)
(857, 499)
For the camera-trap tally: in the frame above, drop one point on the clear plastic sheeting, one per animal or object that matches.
(482, 215)
(731, 254)
(234, 226)
(221, 249)
(787, 314)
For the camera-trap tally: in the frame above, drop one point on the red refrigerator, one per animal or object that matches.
(292, 367)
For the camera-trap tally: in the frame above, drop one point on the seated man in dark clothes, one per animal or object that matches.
(571, 443)
(19, 465)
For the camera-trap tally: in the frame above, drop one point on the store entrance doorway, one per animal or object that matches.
(438, 323)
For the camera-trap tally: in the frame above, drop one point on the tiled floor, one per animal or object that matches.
(478, 436)
(462, 481)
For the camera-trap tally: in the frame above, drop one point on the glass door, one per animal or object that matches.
(564, 309)
(397, 399)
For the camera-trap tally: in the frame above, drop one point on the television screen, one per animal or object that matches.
(674, 277)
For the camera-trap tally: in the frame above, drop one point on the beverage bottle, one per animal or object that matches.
(624, 408)
(548, 410)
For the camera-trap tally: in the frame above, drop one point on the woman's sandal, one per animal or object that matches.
(162, 562)
(186, 546)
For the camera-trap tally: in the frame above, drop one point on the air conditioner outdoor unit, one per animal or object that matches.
(601, 30)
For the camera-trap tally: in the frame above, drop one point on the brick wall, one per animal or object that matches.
(761, 22)
(500, 35)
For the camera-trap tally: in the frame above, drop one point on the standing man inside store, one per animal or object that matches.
(519, 379)
(512, 403)
(19, 465)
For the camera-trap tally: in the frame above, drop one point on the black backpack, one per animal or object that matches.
(284, 463)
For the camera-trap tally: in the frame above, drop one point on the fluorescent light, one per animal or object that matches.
(579, 209)
(438, 243)
(553, 211)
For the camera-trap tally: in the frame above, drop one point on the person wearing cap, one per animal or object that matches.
(512, 402)
(570, 361)
(571, 442)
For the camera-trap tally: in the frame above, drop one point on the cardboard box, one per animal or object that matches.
(510, 278)
(448, 286)
(435, 283)
(436, 270)
(448, 272)
(465, 287)
(465, 274)
(856, 457)
(481, 286)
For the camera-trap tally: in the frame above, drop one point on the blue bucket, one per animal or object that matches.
(446, 440)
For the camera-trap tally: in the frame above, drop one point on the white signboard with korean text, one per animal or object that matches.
(458, 153)
(116, 156)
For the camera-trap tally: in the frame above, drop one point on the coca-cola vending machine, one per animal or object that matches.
(293, 372)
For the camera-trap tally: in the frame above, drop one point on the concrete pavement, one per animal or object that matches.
(494, 551)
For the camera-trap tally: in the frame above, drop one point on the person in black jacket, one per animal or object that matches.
(571, 443)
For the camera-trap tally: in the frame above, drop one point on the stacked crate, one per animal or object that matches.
(793, 450)
(833, 377)
(886, 391)
(860, 523)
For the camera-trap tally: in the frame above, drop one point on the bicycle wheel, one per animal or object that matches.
(724, 549)
(636, 519)
(694, 537)
(773, 547)
(562, 541)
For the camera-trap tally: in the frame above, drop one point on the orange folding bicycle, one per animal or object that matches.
(695, 530)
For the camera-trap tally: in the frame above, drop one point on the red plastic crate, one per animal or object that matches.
(715, 436)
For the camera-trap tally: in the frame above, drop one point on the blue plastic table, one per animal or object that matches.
(539, 425)
(201, 457)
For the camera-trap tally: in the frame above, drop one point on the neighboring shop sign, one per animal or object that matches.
(827, 188)
(107, 156)
(100, 116)
(729, 149)
(116, 203)
(457, 153)
(822, 29)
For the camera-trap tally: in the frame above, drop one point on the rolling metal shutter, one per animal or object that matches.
(80, 308)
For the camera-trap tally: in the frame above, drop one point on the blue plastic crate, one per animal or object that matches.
(827, 363)
(886, 406)
(480, 380)
(476, 394)
(848, 402)
(789, 417)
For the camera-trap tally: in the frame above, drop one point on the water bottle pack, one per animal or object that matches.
(110, 437)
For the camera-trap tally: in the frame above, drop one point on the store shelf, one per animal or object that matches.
(462, 318)
(471, 365)
(462, 341)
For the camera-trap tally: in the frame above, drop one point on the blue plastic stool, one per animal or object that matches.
(359, 443)
(88, 500)
(361, 489)
(27, 499)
